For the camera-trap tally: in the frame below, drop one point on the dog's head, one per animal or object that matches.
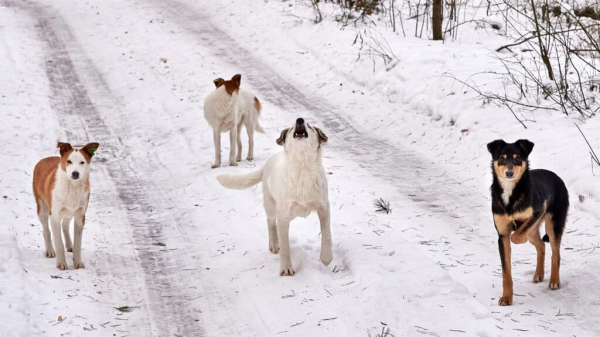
(75, 162)
(231, 86)
(509, 161)
(302, 138)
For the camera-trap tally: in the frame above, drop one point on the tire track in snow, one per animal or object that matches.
(76, 110)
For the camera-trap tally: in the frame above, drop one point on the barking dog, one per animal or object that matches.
(228, 108)
(61, 188)
(294, 185)
(521, 200)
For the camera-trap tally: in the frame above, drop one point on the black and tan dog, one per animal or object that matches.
(521, 200)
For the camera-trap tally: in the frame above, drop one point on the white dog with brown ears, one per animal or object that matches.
(294, 184)
(61, 187)
(228, 108)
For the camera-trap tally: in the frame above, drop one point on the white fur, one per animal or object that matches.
(294, 185)
(225, 112)
(69, 200)
(507, 188)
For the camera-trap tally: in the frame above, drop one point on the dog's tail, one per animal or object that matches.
(259, 128)
(258, 108)
(242, 181)
(546, 238)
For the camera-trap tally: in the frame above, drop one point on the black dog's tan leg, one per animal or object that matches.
(504, 228)
(555, 245)
(520, 235)
(535, 239)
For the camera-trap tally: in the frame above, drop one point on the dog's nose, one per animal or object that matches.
(509, 174)
(300, 121)
(75, 175)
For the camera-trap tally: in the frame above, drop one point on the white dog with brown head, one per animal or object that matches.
(294, 185)
(61, 187)
(228, 108)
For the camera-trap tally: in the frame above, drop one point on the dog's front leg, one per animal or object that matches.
(326, 253)
(284, 245)
(232, 146)
(504, 227)
(65, 227)
(505, 260)
(61, 262)
(217, 140)
(79, 223)
(520, 235)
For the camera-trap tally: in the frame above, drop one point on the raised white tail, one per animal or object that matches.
(242, 181)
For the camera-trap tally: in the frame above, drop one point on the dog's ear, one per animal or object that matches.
(237, 80)
(281, 139)
(495, 146)
(64, 148)
(90, 149)
(219, 82)
(526, 145)
(322, 136)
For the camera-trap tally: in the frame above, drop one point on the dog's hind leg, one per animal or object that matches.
(217, 141)
(43, 215)
(269, 204)
(555, 239)
(536, 240)
(326, 252)
(250, 131)
(65, 227)
(238, 157)
(232, 146)
(79, 223)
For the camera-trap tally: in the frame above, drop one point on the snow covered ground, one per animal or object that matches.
(192, 259)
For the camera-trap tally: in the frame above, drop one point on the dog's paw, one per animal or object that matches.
(286, 269)
(62, 265)
(326, 256)
(78, 264)
(505, 300)
(238, 159)
(538, 278)
(518, 239)
(249, 158)
(215, 166)
(50, 253)
(233, 163)
(554, 284)
(273, 247)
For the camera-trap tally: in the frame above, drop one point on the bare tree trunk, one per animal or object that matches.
(437, 19)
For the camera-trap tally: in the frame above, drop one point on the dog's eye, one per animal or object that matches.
(69, 162)
(518, 161)
(82, 163)
(501, 161)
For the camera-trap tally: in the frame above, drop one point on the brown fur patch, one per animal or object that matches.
(44, 178)
(257, 105)
(88, 151)
(518, 171)
(231, 86)
(64, 158)
(282, 136)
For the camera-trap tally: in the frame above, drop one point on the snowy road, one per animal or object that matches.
(192, 258)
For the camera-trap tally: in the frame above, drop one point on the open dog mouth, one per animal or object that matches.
(299, 134)
(300, 131)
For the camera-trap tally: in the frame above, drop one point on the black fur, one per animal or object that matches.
(534, 188)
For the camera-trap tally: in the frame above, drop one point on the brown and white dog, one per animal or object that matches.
(228, 108)
(61, 188)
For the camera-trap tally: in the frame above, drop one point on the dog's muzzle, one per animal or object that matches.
(300, 130)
